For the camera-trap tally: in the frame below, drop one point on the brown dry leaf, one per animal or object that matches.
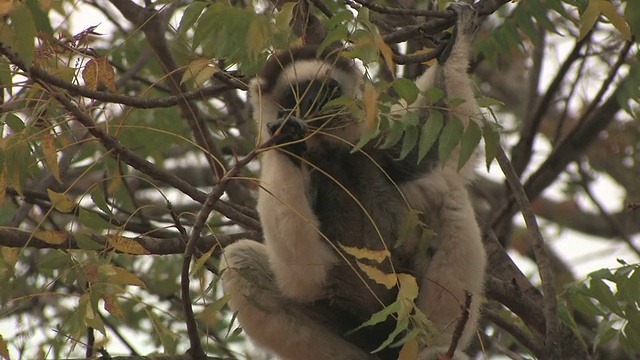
(98, 71)
(126, 245)
(4, 350)
(91, 272)
(111, 305)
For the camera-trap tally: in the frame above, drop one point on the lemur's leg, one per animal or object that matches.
(459, 261)
(300, 257)
(272, 320)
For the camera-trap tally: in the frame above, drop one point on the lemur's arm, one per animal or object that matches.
(300, 257)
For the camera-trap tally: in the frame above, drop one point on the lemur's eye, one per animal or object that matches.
(309, 97)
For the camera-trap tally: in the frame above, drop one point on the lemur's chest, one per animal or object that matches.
(352, 198)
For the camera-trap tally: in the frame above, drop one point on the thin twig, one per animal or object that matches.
(542, 259)
(521, 153)
(462, 322)
(445, 14)
(201, 218)
(508, 325)
(616, 227)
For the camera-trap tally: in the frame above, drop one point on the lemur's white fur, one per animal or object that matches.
(299, 258)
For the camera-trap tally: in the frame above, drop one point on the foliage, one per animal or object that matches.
(118, 124)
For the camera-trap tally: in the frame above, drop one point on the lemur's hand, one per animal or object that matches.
(289, 132)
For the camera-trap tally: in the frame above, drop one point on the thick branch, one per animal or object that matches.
(17, 238)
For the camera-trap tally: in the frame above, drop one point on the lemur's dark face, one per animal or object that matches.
(306, 100)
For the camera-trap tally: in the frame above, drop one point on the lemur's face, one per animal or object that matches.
(306, 100)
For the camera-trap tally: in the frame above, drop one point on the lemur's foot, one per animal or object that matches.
(289, 132)
(467, 17)
(466, 27)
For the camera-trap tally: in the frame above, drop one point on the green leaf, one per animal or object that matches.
(400, 327)
(393, 134)
(85, 242)
(190, 15)
(284, 16)
(407, 89)
(491, 143)
(524, 22)
(430, 133)
(434, 94)
(15, 123)
(408, 227)
(257, 37)
(540, 14)
(632, 15)
(450, 137)
(365, 138)
(629, 291)
(589, 18)
(470, 140)
(379, 317)
(93, 220)
(99, 200)
(601, 292)
(39, 16)
(610, 11)
(409, 141)
(584, 305)
(24, 33)
(54, 260)
(486, 101)
(606, 332)
(6, 76)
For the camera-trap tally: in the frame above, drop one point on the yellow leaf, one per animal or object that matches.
(124, 277)
(50, 155)
(10, 255)
(386, 52)
(114, 184)
(375, 255)
(4, 350)
(98, 71)
(406, 295)
(409, 350)
(61, 202)
(370, 105)
(408, 287)
(126, 245)
(375, 274)
(52, 237)
(200, 70)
